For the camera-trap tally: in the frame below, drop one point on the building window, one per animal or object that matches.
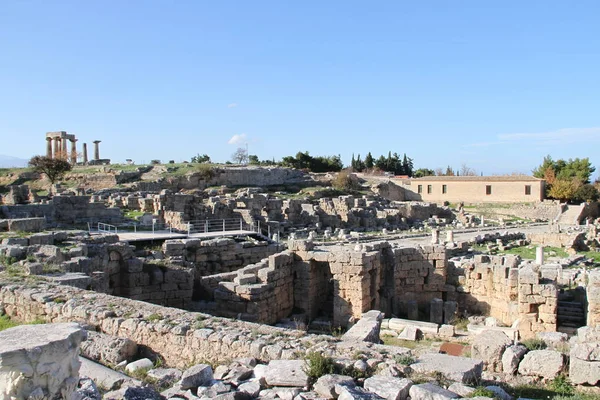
(527, 190)
(444, 189)
(428, 189)
(488, 189)
(420, 189)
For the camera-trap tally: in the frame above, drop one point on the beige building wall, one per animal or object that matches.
(480, 190)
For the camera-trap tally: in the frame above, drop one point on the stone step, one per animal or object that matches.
(570, 311)
(569, 330)
(570, 304)
(569, 318)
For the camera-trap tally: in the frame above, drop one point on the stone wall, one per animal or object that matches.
(66, 211)
(593, 298)
(216, 256)
(181, 338)
(575, 240)
(496, 286)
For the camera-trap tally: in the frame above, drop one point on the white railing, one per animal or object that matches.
(107, 228)
(218, 225)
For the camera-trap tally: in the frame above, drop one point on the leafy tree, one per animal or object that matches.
(564, 190)
(421, 172)
(240, 155)
(253, 159)
(315, 164)
(407, 166)
(204, 158)
(345, 181)
(449, 171)
(579, 168)
(369, 162)
(587, 193)
(53, 168)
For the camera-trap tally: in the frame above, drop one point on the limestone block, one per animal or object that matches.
(133, 393)
(388, 387)
(198, 375)
(410, 333)
(489, 347)
(436, 311)
(143, 363)
(367, 329)
(286, 373)
(446, 331)
(429, 391)
(461, 389)
(355, 393)
(584, 372)
(459, 369)
(251, 388)
(499, 393)
(512, 357)
(40, 359)
(108, 349)
(545, 363)
(165, 376)
(325, 385)
(553, 339)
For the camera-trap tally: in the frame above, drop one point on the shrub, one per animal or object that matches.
(318, 365)
(561, 385)
(534, 344)
(345, 181)
(404, 359)
(154, 317)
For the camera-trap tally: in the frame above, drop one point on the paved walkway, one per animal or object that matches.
(164, 235)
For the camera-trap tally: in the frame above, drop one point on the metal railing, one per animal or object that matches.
(218, 225)
(107, 228)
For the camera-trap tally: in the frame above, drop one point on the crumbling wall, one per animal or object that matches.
(262, 292)
(593, 298)
(566, 240)
(496, 286)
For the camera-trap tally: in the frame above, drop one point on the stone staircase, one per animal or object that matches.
(570, 315)
(571, 215)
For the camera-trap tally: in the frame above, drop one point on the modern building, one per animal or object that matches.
(475, 189)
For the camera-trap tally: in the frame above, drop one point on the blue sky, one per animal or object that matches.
(494, 85)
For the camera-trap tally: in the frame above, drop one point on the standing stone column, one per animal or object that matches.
(74, 151)
(49, 147)
(85, 158)
(436, 311)
(56, 147)
(450, 237)
(96, 150)
(539, 255)
(65, 154)
(435, 236)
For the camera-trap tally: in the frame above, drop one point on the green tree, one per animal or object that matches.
(587, 193)
(253, 159)
(421, 172)
(579, 168)
(407, 165)
(564, 190)
(369, 162)
(204, 158)
(53, 168)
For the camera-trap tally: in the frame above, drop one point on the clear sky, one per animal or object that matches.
(493, 84)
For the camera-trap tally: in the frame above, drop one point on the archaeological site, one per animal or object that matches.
(202, 281)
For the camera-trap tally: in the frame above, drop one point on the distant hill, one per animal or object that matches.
(12, 162)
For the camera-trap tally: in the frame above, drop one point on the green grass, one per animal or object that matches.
(6, 322)
(594, 255)
(409, 344)
(318, 365)
(482, 391)
(133, 214)
(528, 252)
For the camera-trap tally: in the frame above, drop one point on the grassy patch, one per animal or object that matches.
(483, 392)
(133, 214)
(154, 317)
(534, 344)
(594, 255)
(318, 365)
(6, 322)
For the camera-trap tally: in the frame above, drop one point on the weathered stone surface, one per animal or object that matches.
(286, 373)
(512, 357)
(388, 388)
(134, 393)
(165, 376)
(459, 369)
(143, 363)
(325, 385)
(545, 363)
(489, 347)
(553, 339)
(367, 329)
(410, 333)
(428, 391)
(40, 358)
(461, 389)
(87, 390)
(107, 349)
(584, 365)
(105, 377)
(198, 375)
(355, 393)
(499, 393)
(251, 388)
